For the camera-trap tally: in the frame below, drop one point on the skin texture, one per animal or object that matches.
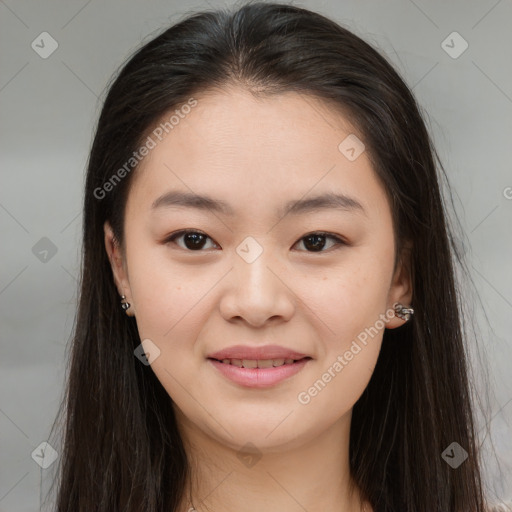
(258, 154)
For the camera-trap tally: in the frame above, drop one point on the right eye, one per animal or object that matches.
(193, 240)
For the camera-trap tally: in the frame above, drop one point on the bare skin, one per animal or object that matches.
(257, 155)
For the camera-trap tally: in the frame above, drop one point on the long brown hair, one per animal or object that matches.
(121, 447)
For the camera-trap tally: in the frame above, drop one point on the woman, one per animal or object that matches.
(268, 314)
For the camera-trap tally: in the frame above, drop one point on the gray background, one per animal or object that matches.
(48, 108)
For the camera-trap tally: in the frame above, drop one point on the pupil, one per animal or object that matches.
(196, 238)
(316, 244)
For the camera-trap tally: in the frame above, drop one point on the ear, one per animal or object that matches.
(401, 285)
(118, 265)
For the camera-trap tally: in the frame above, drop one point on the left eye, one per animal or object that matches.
(195, 240)
(316, 241)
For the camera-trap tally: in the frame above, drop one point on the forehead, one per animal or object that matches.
(246, 149)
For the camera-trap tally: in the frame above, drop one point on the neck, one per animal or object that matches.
(308, 475)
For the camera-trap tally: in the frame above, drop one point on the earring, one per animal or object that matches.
(124, 305)
(403, 312)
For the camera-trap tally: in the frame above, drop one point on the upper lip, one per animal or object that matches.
(256, 353)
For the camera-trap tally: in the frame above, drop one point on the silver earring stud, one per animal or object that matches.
(124, 305)
(403, 312)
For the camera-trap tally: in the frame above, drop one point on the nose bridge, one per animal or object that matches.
(257, 293)
(252, 262)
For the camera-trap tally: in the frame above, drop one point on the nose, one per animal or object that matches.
(257, 291)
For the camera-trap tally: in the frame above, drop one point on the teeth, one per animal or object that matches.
(260, 363)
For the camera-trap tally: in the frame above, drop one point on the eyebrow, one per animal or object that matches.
(329, 200)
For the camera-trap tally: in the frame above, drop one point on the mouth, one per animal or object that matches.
(258, 373)
(259, 363)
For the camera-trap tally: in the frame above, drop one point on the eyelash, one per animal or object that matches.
(325, 234)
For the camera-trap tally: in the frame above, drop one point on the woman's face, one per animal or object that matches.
(258, 271)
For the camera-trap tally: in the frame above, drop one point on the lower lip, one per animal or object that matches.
(259, 377)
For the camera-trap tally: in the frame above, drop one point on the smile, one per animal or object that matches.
(258, 373)
(258, 363)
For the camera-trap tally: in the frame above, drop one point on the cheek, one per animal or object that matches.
(350, 297)
(165, 293)
(170, 311)
(334, 392)
(354, 308)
